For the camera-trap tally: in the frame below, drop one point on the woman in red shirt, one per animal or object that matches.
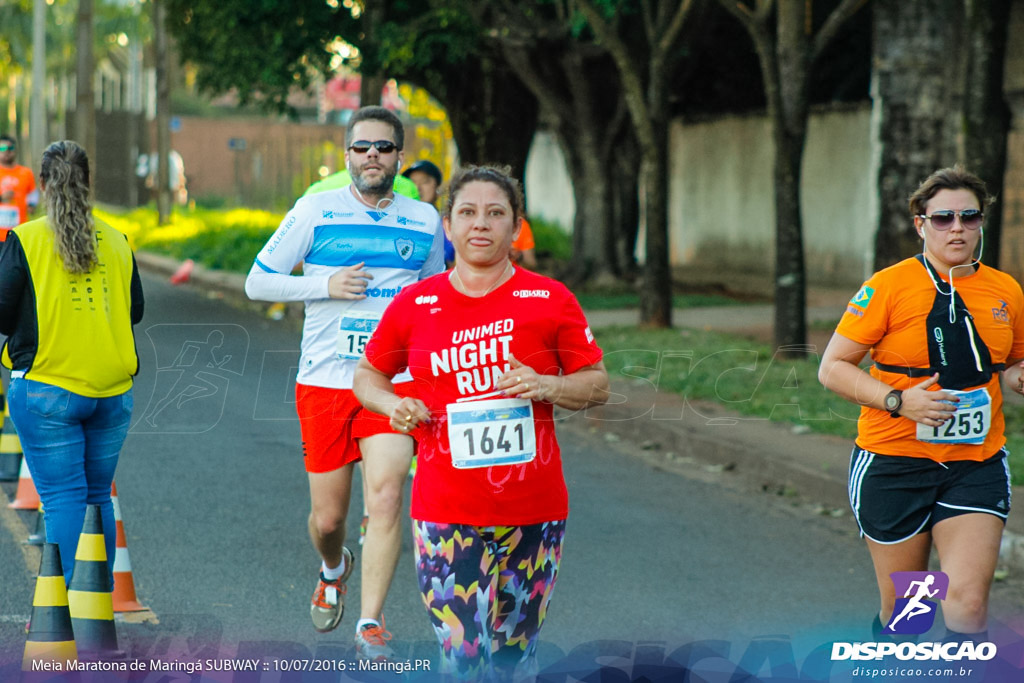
(492, 348)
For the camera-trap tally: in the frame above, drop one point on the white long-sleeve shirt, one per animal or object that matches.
(330, 230)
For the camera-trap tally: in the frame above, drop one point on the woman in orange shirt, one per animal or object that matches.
(929, 466)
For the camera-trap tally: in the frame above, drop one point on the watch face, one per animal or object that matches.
(892, 402)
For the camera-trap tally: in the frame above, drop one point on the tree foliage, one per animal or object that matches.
(261, 49)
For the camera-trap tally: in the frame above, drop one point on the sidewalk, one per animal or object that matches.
(697, 437)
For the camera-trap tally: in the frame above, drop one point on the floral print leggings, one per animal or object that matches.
(487, 591)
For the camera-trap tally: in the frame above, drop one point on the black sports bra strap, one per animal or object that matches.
(902, 370)
(925, 372)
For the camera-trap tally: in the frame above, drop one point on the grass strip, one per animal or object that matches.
(751, 379)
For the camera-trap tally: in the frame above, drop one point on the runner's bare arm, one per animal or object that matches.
(1013, 375)
(839, 372)
(584, 388)
(376, 392)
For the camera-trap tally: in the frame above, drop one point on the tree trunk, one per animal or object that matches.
(788, 98)
(85, 104)
(493, 115)
(626, 204)
(371, 76)
(913, 96)
(790, 272)
(986, 115)
(163, 114)
(370, 88)
(38, 135)
(574, 89)
(656, 289)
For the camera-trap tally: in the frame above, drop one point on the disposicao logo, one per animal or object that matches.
(914, 614)
(862, 298)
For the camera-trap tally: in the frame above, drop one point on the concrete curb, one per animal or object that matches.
(684, 436)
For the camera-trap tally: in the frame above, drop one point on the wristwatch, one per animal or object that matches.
(893, 402)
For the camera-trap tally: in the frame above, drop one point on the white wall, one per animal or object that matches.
(721, 201)
(721, 196)
(548, 186)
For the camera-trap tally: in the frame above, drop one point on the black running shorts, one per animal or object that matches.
(896, 497)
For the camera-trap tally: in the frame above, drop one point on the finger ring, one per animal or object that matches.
(519, 379)
(527, 386)
(408, 417)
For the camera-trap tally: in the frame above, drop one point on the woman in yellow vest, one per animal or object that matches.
(69, 295)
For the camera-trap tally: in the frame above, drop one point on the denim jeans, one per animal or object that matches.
(71, 445)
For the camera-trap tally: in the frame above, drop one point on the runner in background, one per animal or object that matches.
(929, 464)
(522, 251)
(336, 181)
(17, 187)
(427, 177)
(489, 501)
(360, 246)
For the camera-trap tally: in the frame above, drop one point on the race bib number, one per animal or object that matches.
(9, 216)
(968, 425)
(486, 433)
(354, 333)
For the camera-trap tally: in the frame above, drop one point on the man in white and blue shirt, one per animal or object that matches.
(358, 246)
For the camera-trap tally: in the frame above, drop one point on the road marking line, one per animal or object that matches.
(13, 618)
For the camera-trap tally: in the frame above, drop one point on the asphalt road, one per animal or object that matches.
(214, 499)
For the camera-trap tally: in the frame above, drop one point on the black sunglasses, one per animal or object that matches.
(363, 146)
(943, 220)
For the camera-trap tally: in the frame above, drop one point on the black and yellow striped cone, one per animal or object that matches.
(50, 636)
(38, 537)
(92, 607)
(10, 448)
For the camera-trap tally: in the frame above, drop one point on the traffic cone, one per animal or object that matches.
(26, 497)
(183, 273)
(124, 584)
(38, 537)
(50, 637)
(10, 447)
(92, 611)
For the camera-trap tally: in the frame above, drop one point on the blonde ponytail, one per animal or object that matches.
(65, 178)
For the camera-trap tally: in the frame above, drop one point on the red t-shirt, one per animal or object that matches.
(456, 347)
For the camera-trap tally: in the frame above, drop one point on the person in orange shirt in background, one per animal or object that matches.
(17, 187)
(523, 248)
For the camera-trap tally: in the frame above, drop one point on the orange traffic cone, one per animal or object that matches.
(183, 273)
(124, 584)
(26, 497)
(50, 638)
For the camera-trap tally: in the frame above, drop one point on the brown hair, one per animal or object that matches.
(376, 114)
(955, 178)
(498, 175)
(65, 176)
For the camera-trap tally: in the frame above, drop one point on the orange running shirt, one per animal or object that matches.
(20, 181)
(889, 314)
(525, 239)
